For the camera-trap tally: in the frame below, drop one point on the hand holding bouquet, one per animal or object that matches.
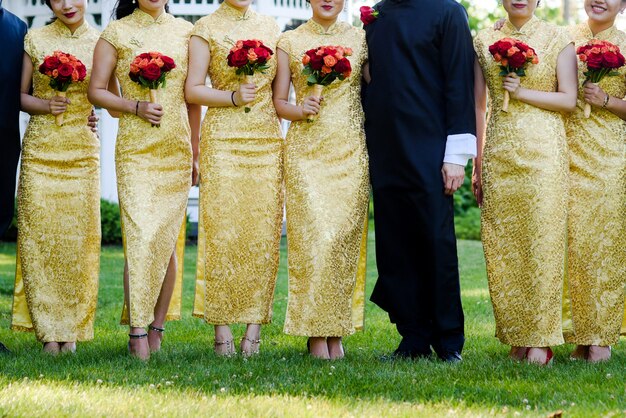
(513, 57)
(150, 70)
(63, 70)
(248, 57)
(602, 59)
(325, 64)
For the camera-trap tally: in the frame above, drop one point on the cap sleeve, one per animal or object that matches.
(110, 35)
(201, 29)
(284, 43)
(29, 47)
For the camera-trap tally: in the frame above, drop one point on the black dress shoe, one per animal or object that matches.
(451, 357)
(4, 349)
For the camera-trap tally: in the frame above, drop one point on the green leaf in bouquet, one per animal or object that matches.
(311, 79)
(307, 71)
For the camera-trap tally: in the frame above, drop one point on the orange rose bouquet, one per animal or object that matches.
(63, 70)
(248, 57)
(513, 57)
(150, 70)
(602, 59)
(325, 64)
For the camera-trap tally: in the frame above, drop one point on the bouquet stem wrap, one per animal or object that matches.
(505, 102)
(587, 110)
(316, 91)
(154, 98)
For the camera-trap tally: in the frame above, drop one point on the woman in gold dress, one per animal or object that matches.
(59, 192)
(520, 180)
(327, 185)
(241, 192)
(596, 262)
(154, 165)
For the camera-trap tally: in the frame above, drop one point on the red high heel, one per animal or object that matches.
(549, 357)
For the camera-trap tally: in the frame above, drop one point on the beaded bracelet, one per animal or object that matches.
(136, 107)
(232, 98)
(606, 101)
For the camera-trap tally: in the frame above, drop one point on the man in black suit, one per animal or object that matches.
(420, 126)
(12, 31)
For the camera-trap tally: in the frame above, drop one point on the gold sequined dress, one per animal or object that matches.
(241, 191)
(153, 165)
(58, 201)
(524, 180)
(327, 192)
(596, 262)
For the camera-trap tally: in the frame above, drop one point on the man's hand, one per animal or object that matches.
(92, 122)
(453, 176)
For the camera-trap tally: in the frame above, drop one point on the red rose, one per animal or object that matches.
(238, 58)
(517, 60)
(168, 63)
(317, 61)
(343, 66)
(262, 55)
(145, 56)
(594, 61)
(49, 64)
(251, 43)
(152, 72)
(368, 15)
(612, 60)
(82, 72)
(65, 70)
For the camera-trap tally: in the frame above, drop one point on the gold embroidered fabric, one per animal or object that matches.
(241, 189)
(327, 193)
(58, 258)
(597, 210)
(524, 178)
(153, 165)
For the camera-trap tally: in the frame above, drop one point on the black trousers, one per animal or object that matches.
(8, 168)
(418, 278)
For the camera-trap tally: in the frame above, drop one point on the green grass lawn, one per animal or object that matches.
(186, 378)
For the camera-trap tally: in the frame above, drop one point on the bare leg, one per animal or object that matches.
(223, 345)
(51, 347)
(138, 347)
(335, 348)
(599, 353)
(163, 303)
(68, 347)
(318, 348)
(251, 341)
(518, 353)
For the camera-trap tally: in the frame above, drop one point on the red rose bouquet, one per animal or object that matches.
(602, 59)
(368, 15)
(325, 64)
(248, 57)
(63, 70)
(513, 57)
(150, 70)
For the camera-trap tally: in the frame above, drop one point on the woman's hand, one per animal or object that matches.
(151, 112)
(311, 106)
(58, 105)
(594, 95)
(477, 186)
(245, 94)
(512, 84)
(499, 24)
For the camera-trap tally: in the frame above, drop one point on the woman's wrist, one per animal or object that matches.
(232, 98)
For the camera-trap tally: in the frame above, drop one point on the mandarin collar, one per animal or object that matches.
(602, 36)
(145, 19)
(231, 12)
(527, 29)
(318, 29)
(65, 31)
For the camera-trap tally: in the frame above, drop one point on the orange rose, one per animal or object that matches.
(512, 50)
(252, 57)
(325, 70)
(535, 60)
(63, 59)
(159, 62)
(330, 61)
(504, 62)
(347, 51)
(55, 73)
(306, 59)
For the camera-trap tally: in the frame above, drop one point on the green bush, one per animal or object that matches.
(467, 225)
(110, 221)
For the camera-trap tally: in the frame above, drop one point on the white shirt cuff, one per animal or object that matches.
(460, 148)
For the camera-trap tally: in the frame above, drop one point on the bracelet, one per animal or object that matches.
(232, 98)
(136, 107)
(606, 101)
